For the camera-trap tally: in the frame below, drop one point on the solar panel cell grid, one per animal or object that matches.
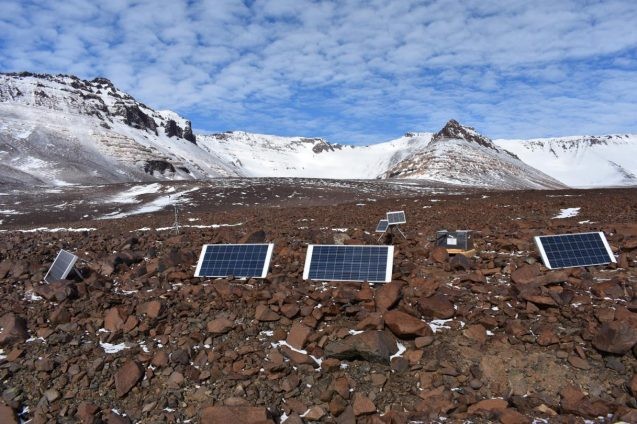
(571, 250)
(61, 267)
(239, 260)
(382, 226)
(397, 217)
(349, 263)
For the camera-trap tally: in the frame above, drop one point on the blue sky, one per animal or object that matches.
(354, 72)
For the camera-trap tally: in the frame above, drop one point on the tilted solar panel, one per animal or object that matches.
(349, 263)
(238, 260)
(62, 265)
(573, 250)
(397, 217)
(382, 226)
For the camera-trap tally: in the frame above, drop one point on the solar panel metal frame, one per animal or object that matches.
(380, 228)
(393, 213)
(266, 261)
(545, 259)
(59, 264)
(388, 266)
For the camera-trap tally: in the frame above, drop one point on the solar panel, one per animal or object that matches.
(62, 265)
(572, 250)
(382, 226)
(397, 217)
(238, 260)
(349, 263)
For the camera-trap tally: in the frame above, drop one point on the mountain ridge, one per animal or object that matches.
(118, 139)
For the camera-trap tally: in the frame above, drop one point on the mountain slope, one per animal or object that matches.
(581, 161)
(57, 130)
(259, 155)
(459, 155)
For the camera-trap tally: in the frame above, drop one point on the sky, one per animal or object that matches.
(355, 72)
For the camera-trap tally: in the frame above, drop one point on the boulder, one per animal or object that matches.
(388, 295)
(298, 335)
(151, 309)
(127, 377)
(436, 306)
(404, 325)
(373, 346)
(615, 337)
(14, 329)
(58, 290)
(220, 326)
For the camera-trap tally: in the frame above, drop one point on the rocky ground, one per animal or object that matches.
(492, 338)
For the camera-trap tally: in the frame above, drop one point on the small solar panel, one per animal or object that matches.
(238, 260)
(62, 265)
(349, 263)
(573, 250)
(397, 217)
(382, 226)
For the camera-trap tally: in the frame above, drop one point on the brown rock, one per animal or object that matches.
(112, 418)
(511, 416)
(488, 405)
(235, 415)
(547, 337)
(315, 413)
(476, 332)
(14, 329)
(8, 415)
(160, 359)
(615, 337)
(297, 357)
(298, 335)
(127, 377)
(526, 274)
(175, 380)
(388, 295)
(57, 291)
(436, 306)
(373, 346)
(220, 326)
(86, 413)
(424, 287)
(362, 405)
(290, 310)
(264, 313)
(633, 385)
(404, 325)
(60, 315)
(578, 362)
(439, 254)
(610, 288)
(152, 309)
(114, 319)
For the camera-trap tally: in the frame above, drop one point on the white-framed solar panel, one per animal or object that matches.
(396, 217)
(329, 262)
(237, 260)
(62, 265)
(382, 226)
(574, 250)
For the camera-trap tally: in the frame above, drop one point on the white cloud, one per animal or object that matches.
(353, 71)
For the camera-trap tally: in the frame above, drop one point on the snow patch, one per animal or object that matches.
(567, 213)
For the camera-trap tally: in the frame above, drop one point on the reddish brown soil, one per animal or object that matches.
(522, 342)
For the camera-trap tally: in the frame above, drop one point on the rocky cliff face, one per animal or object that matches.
(98, 98)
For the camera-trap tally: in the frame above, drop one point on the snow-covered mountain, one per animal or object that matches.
(259, 155)
(57, 130)
(581, 161)
(459, 155)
